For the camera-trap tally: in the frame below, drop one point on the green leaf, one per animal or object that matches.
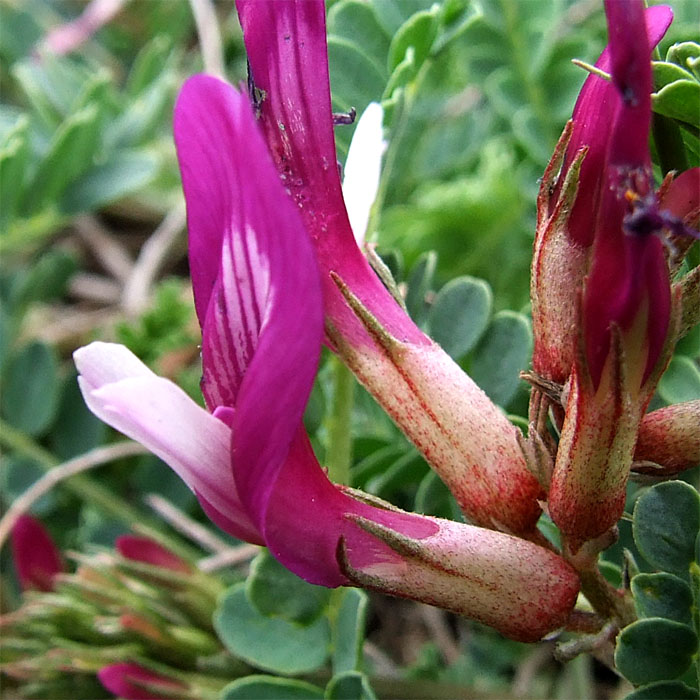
(47, 279)
(655, 649)
(393, 95)
(375, 463)
(122, 174)
(143, 116)
(666, 73)
(418, 284)
(269, 643)
(76, 429)
(18, 474)
(97, 529)
(355, 79)
(665, 524)
(418, 32)
(51, 85)
(71, 153)
(14, 155)
(689, 344)
(679, 100)
(686, 54)
(277, 592)
(503, 351)
(391, 14)
(148, 64)
(434, 498)
(664, 690)
(457, 17)
(662, 595)
(460, 314)
(270, 688)
(409, 468)
(504, 91)
(349, 630)
(532, 135)
(315, 410)
(19, 31)
(152, 475)
(350, 685)
(612, 572)
(30, 394)
(356, 22)
(7, 333)
(680, 382)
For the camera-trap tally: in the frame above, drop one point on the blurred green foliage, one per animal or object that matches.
(475, 96)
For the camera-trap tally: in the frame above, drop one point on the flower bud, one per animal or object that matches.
(669, 438)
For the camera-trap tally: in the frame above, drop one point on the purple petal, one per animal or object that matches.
(593, 115)
(628, 269)
(35, 556)
(631, 75)
(307, 516)
(202, 141)
(312, 527)
(286, 44)
(160, 416)
(263, 326)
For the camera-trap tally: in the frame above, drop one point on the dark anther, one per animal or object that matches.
(255, 94)
(343, 117)
(647, 218)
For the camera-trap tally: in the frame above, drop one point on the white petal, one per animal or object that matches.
(103, 363)
(363, 168)
(123, 392)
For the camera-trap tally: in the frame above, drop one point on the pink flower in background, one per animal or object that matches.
(36, 557)
(70, 36)
(148, 551)
(135, 682)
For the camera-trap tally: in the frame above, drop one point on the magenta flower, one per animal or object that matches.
(36, 557)
(669, 440)
(462, 434)
(603, 232)
(135, 682)
(259, 300)
(571, 216)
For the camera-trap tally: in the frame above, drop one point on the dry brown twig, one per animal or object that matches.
(154, 252)
(182, 522)
(111, 254)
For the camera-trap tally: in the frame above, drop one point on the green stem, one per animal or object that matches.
(606, 600)
(90, 491)
(339, 453)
